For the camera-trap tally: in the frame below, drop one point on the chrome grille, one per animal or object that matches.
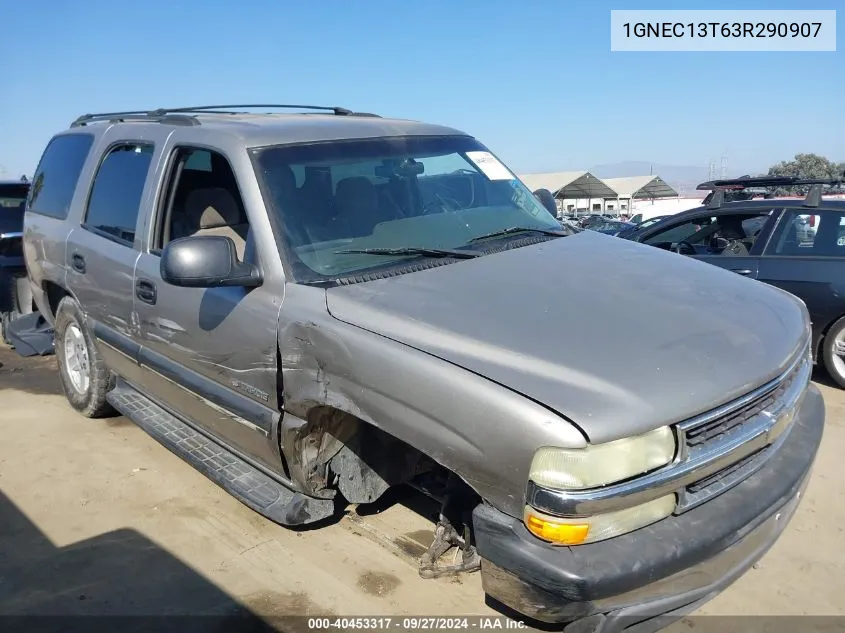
(715, 429)
(749, 428)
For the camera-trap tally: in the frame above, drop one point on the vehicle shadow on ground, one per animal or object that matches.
(821, 377)
(37, 375)
(119, 581)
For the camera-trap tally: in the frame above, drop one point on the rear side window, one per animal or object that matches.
(803, 234)
(115, 198)
(57, 174)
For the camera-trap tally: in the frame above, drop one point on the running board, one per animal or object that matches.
(243, 481)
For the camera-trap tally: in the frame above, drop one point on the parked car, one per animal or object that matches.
(611, 227)
(311, 309)
(795, 244)
(15, 295)
(589, 220)
(636, 227)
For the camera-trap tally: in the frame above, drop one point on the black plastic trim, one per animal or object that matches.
(239, 405)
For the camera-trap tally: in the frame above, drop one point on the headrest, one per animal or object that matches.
(213, 208)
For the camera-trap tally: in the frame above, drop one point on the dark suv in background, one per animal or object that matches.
(15, 294)
(797, 244)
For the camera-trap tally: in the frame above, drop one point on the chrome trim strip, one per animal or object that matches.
(11, 235)
(759, 432)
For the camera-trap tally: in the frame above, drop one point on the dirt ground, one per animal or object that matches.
(96, 517)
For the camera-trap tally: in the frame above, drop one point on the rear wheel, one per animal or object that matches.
(833, 352)
(84, 376)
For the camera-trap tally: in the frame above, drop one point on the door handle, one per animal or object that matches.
(77, 262)
(742, 271)
(145, 290)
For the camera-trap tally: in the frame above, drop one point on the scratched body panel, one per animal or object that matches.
(225, 336)
(459, 419)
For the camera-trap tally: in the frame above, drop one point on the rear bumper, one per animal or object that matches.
(667, 569)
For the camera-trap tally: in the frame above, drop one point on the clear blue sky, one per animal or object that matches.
(534, 79)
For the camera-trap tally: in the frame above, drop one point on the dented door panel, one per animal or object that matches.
(210, 355)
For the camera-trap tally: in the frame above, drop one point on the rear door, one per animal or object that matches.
(806, 256)
(102, 249)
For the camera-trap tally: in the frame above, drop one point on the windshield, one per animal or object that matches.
(392, 193)
(13, 198)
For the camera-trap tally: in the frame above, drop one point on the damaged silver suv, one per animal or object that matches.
(312, 307)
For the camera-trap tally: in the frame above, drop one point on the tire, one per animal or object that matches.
(835, 363)
(84, 376)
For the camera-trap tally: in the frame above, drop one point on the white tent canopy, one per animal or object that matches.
(640, 187)
(568, 185)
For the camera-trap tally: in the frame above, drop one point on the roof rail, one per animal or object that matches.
(150, 117)
(181, 116)
(719, 188)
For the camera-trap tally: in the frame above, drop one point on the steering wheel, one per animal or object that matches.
(440, 203)
(685, 248)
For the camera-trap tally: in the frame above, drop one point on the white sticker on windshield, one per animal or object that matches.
(490, 166)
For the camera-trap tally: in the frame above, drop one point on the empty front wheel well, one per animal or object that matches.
(335, 450)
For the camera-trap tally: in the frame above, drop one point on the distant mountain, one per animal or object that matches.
(682, 178)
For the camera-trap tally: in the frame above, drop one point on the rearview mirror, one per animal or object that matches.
(207, 261)
(547, 200)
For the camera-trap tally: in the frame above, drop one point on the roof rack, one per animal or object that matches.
(185, 115)
(734, 188)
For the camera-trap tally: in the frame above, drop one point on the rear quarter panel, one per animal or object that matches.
(44, 249)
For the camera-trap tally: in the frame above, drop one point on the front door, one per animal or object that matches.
(209, 354)
(733, 241)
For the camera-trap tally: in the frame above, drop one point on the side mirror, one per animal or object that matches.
(547, 200)
(207, 261)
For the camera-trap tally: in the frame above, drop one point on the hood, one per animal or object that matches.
(616, 336)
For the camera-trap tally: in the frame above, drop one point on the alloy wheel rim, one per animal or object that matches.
(76, 359)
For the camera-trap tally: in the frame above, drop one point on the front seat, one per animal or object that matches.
(357, 204)
(215, 211)
(731, 235)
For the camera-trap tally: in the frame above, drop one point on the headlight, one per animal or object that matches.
(602, 464)
(577, 531)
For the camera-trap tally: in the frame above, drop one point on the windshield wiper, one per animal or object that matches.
(562, 232)
(412, 250)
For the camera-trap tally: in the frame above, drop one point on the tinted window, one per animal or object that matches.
(802, 234)
(57, 174)
(403, 192)
(13, 197)
(679, 232)
(116, 194)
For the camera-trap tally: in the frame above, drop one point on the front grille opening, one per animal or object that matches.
(720, 427)
(726, 472)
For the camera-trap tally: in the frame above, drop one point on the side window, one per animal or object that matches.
(58, 171)
(115, 198)
(679, 232)
(802, 234)
(202, 198)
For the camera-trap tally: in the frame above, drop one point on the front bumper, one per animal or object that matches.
(666, 569)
